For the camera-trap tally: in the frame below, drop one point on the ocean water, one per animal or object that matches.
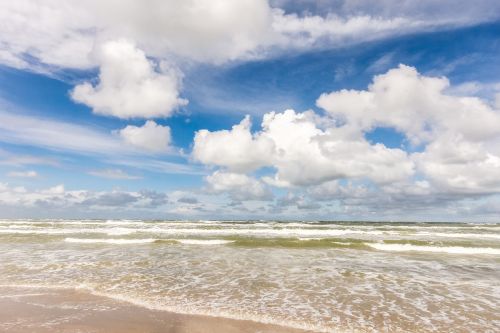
(323, 276)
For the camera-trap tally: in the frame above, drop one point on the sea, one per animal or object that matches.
(316, 275)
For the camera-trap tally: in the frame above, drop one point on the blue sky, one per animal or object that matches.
(143, 122)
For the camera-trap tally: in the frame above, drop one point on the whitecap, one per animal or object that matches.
(439, 249)
(109, 240)
(203, 241)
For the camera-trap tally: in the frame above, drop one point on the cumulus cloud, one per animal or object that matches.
(413, 104)
(239, 186)
(457, 165)
(150, 136)
(458, 136)
(130, 85)
(237, 149)
(460, 133)
(307, 154)
(301, 151)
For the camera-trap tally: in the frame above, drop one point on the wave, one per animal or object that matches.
(257, 232)
(458, 235)
(196, 231)
(285, 232)
(110, 241)
(298, 243)
(40, 231)
(202, 241)
(125, 241)
(438, 249)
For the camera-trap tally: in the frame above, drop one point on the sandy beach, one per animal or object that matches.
(56, 311)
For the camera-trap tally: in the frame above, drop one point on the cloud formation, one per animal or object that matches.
(59, 197)
(414, 104)
(240, 187)
(130, 85)
(62, 34)
(150, 136)
(458, 141)
(451, 147)
(237, 149)
(301, 151)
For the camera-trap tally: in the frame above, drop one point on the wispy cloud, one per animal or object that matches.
(112, 174)
(159, 166)
(58, 135)
(23, 174)
(8, 158)
(67, 138)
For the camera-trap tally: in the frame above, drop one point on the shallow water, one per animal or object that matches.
(326, 276)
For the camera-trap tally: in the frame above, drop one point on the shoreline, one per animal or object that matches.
(45, 309)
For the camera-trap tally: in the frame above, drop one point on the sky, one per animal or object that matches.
(250, 109)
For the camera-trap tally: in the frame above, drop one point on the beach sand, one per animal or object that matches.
(58, 311)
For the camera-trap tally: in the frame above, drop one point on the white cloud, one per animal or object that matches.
(150, 136)
(8, 158)
(55, 190)
(57, 135)
(413, 104)
(437, 10)
(58, 197)
(66, 138)
(52, 33)
(460, 139)
(23, 174)
(461, 133)
(301, 152)
(306, 154)
(112, 174)
(129, 85)
(239, 186)
(236, 149)
(457, 165)
(62, 34)
(313, 30)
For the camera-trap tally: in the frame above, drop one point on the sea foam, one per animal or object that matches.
(441, 249)
(109, 240)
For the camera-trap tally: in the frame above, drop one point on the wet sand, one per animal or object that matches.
(60, 311)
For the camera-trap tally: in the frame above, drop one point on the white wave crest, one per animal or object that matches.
(460, 235)
(203, 241)
(109, 240)
(440, 249)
